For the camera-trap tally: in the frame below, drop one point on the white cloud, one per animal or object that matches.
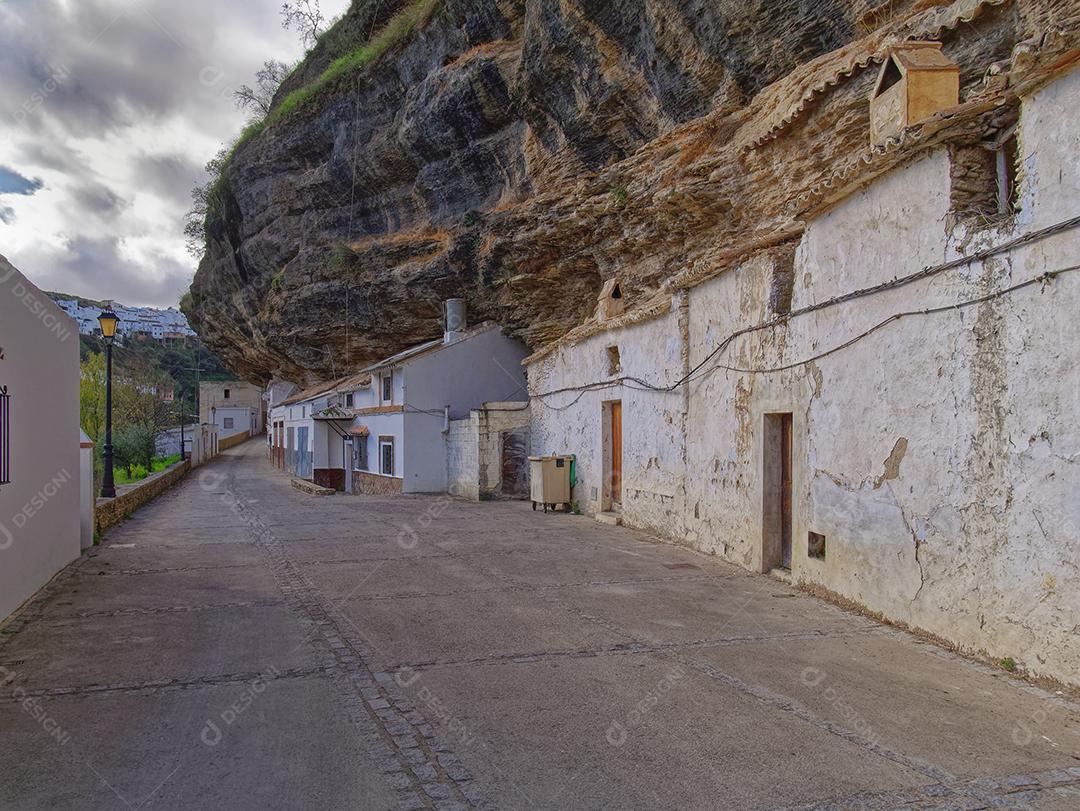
(116, 105)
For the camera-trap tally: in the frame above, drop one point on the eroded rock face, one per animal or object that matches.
(517, 154)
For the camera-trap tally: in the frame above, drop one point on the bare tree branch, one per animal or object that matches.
(267, 81)
(306, 17)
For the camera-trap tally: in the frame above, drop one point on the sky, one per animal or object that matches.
(109, 110)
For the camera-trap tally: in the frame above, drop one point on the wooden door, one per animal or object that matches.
(515, 463)
(785, 491)
(616, 452)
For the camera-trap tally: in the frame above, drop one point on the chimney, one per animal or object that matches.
(455, 320)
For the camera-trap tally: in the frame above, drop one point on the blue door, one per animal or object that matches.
(303, 454)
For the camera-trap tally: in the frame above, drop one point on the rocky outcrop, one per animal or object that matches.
(518, 154)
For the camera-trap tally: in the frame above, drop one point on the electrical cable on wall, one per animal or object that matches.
(638, 384)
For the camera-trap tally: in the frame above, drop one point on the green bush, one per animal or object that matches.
(396, 29)
(133, 445)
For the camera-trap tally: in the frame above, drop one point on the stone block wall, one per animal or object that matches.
(371, 484)
(233, 441)
(111, 511)
(462, 458)
(475, 451)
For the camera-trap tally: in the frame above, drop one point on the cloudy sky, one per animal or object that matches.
(109, 109)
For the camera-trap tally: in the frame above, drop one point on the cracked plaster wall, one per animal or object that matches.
(940, 456)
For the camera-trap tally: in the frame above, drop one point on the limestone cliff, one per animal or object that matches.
(519, 153)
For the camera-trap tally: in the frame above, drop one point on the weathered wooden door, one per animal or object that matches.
(616, 452)
(785, 491)
(515, 463)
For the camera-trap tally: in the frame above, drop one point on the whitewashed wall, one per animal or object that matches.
(39, 509)
(940, 455)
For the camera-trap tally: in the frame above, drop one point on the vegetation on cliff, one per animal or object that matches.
(520, 154)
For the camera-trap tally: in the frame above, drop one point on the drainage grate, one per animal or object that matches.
(681, 566)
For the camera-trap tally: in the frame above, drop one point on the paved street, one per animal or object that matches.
(241, 645)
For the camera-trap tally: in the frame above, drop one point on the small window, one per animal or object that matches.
(614, 363)
(815, 545)
(388, 387)
(227, 422)
(360, 456)
(983, 177)
(349, 400)
(226, 394)
(1007, 157)
(303, 412)
(386, 455)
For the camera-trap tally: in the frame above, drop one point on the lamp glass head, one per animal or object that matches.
(108, 322)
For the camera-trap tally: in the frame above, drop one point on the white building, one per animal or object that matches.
(39, 439)
(913, 447)
(386, 429)
(161, 325)
(233, 406)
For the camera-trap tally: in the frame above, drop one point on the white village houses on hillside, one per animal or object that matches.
(385, 430)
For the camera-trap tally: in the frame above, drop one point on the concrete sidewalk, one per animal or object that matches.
(241, 644)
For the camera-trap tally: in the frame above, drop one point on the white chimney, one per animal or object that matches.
(455, 320)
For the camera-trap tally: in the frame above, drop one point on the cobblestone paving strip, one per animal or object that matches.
(424, 771)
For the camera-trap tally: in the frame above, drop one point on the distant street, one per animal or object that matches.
(239, 644)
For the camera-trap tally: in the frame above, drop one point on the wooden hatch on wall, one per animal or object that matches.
(916, 81)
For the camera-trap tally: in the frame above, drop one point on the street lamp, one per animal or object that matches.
(108, 322)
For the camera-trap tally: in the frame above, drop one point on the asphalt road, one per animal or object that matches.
(239, 644)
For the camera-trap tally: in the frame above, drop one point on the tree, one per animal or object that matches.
(136, 401)
(92, 407)
(134, 445)
(256, 100)
(195, 219)
(305, 17)
(92, 396)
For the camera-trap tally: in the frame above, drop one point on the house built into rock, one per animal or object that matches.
(884, 404)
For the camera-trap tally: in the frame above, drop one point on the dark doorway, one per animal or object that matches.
(777, 513)
(515, 463)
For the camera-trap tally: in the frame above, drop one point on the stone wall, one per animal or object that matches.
(462, 458)
(129, 497)
(475, 449)
(232, 441)
(372, 484)
(935, 453)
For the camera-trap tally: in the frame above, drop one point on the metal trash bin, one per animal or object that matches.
(549, 481)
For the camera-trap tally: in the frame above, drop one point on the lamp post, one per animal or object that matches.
(108, 322)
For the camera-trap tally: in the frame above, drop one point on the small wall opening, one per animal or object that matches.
(782, 283)
(889, 76)
(610, 303)
(815, 545)
(614, 363)
(983, 176)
